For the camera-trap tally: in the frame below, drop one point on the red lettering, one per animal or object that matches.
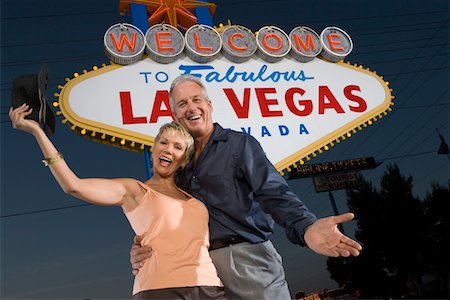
(233, 45)
(307, 104)
(127, 111)
(124, 39)
(300, 44)
(157, 111)
(241, 110)
(333, 43)
(325, 93)
(160, 41)
(200, 47)
(348, 92)
(264, 103)
(275, 37)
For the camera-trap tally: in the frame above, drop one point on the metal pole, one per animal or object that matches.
(148, 162)
(333, 203)
(139, 18)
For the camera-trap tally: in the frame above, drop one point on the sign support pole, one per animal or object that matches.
(148, 162)
(203, 15)
(333, 203)
(139, 18)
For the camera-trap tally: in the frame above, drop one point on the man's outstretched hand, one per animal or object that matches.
(324, 237)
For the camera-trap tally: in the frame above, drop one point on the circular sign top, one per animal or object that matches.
(124, 43)
(164, 43)
(203, 43)
(239, 43)
(336, 43)
(305, 43)
(273, 43)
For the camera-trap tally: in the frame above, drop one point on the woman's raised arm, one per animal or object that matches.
(120, 192)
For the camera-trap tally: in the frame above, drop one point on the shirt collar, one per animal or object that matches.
(219, 134)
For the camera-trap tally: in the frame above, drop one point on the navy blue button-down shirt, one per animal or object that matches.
(243, 191)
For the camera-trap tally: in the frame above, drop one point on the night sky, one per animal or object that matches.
(54, 247)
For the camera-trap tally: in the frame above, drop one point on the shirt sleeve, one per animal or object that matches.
(273, 193)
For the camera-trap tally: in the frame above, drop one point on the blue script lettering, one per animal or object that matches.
(190, 69)
(231, 75)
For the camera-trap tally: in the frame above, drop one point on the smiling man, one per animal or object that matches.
(244, 194)
(192, 108)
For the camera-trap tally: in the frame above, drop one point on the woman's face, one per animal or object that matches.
(168, 153)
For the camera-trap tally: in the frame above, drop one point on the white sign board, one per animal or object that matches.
(292, 108)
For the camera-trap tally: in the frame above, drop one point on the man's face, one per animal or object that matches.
(192, 109)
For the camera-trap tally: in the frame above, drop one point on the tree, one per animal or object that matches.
(364, 273)
(396, 230)
(435, 245)
(404, 228)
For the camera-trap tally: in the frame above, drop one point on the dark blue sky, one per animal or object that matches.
(82, 252)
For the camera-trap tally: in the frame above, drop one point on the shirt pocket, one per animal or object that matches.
(218, 189)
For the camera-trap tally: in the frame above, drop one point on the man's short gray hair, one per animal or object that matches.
(181, 79)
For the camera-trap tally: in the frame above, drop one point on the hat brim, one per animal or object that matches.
(47, 117)
(32, 89)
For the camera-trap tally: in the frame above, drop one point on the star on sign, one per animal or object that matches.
(178, 13)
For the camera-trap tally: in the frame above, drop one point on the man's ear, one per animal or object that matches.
(210, 105)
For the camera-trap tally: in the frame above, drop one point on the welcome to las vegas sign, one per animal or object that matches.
(293, 92)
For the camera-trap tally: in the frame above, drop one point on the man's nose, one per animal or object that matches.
(190, 105)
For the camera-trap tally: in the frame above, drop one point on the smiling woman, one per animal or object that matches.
(170, 221)
(43, 254)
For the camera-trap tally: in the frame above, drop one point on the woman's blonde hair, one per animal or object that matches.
(188, 139)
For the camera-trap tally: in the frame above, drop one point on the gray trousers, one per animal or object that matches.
(251, 271)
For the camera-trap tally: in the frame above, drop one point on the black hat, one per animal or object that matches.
(32, 90)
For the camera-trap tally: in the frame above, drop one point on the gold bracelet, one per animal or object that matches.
(52, 159)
